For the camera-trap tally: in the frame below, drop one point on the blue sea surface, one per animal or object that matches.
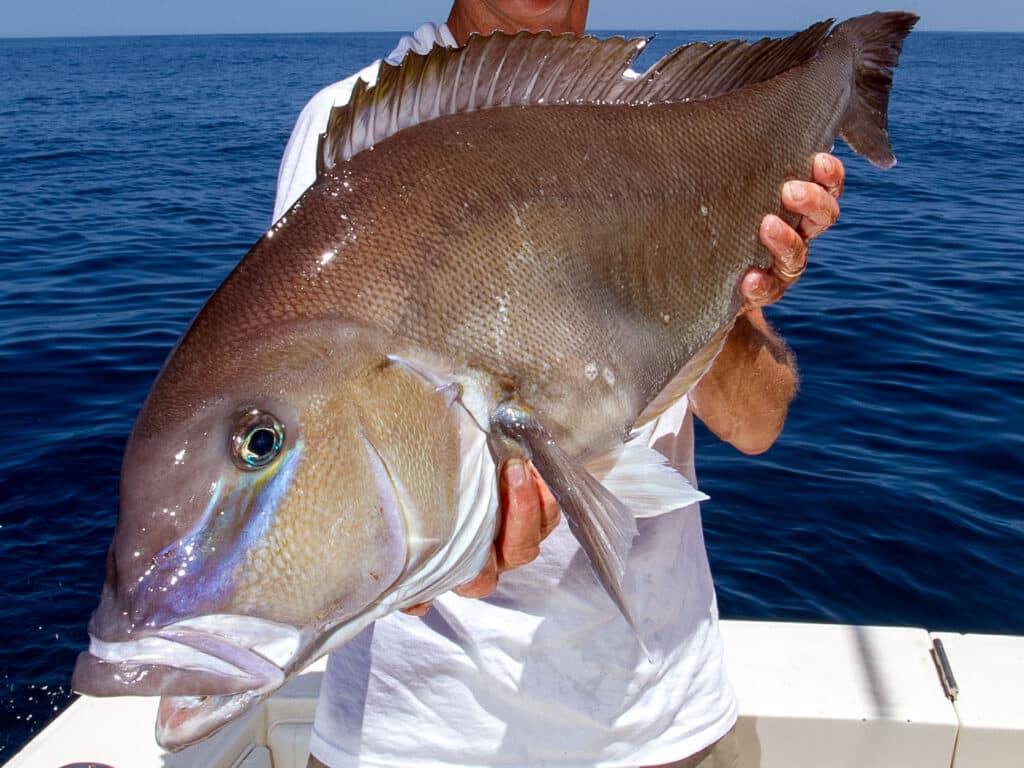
(136, 172)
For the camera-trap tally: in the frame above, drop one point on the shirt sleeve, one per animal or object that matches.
(298, 163)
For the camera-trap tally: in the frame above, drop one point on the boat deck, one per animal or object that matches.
(811, 695)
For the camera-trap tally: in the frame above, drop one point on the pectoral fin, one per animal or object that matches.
(642, 479)
(602, 524)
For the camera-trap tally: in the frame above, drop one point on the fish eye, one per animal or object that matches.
(257, 439)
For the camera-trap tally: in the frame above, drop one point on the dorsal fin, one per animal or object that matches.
(496, 70)
(506, 70)
(700, 70)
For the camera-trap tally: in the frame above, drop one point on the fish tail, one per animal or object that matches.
(876, 40)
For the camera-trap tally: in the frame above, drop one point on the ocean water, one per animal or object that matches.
(137, 171)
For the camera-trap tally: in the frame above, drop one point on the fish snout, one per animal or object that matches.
(130, 604)
(206, 656)
(113, 618)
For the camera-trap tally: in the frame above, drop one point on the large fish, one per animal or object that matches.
(510, 248)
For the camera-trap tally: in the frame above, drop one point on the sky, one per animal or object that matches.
(43, 18)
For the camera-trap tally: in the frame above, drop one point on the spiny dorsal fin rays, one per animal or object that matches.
(498, 70)
(700, 70)
(522, 69)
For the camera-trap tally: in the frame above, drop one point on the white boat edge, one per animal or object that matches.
(811, 695)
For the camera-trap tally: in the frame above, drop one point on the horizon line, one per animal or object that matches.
(595, 30)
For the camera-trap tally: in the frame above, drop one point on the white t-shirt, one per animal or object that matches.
(545, 672)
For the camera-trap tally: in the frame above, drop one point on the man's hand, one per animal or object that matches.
(529, 511)
(816, 202)
(745, 396)
(528, 514)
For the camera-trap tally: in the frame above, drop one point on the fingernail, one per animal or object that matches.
(825, 162)
(795, 191)
(515, 472)
(773, 227)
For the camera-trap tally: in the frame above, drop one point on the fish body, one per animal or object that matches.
(510, 249)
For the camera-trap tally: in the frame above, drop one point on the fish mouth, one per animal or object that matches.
(207, 671)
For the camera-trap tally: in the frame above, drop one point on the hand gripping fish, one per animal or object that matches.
(510, 249)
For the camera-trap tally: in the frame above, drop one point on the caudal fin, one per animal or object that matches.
(877, 40)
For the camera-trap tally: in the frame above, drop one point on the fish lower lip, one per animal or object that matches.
(184, 720)
(178, 663)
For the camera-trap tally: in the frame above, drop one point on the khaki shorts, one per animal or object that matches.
(724, 753)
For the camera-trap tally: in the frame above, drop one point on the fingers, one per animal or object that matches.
(789, 260)
(828, 171)
(420, 609)
(816, 200)
(529, 514)
(523, 511)
(788, 249)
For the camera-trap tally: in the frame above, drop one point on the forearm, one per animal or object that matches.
(745, 396)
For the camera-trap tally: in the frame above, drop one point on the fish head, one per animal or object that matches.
(271, 507)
